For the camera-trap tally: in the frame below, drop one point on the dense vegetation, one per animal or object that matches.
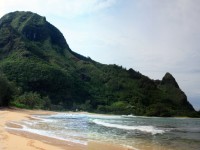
(39, 70)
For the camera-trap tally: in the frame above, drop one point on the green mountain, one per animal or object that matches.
(36, 60)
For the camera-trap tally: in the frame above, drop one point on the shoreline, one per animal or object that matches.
(21, 140)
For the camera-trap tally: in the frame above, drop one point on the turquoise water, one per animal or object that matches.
(131, 131)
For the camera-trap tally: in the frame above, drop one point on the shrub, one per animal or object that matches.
(29, 100)
(7, 90)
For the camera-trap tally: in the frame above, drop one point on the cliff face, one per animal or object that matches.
(35, 55)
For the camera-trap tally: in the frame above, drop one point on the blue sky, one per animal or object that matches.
(153, 37)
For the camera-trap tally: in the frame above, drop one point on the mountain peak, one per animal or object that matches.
(19, 19)
(33, 27)
(169, 80)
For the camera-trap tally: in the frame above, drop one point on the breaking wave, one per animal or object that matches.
(149, 129)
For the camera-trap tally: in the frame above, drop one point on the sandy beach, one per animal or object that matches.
(19, 140)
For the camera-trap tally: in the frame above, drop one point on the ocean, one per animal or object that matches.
(136, 132)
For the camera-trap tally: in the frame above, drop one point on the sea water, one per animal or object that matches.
(130, 131)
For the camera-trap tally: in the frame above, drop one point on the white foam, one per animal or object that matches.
(45, 118)
(129, 116)
(35, 117)
(104, 116)
(17, 124)
(64, 116)
(130, 147)
(30, 123)
(149, 129)
(44, 133)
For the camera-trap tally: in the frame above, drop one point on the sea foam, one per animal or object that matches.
(149, 129)
(45, 133)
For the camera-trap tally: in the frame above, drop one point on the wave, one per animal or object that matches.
(77, 116)
(64, 116)
(102, 116)
(129, 116)
(149, 129)
(45, 133)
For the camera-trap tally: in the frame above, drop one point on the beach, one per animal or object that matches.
(22, 129)
(21, 140)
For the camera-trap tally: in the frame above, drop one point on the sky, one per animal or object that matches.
(152, 37)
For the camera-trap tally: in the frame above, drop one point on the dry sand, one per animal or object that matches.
(18, 140)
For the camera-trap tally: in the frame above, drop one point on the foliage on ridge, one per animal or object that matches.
(35, 56)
